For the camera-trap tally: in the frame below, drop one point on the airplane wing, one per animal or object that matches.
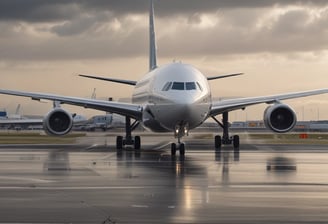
(126, 109)
(240, 103)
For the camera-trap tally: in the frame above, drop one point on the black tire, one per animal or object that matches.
(119, 142)
(173, 149)
(217, 142)
(182, 149)
(236, 141)
(137, 142)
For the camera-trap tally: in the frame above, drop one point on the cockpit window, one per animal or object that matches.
(182, 86)
(200, 87)
(178, 86)
(167, 86)
(190, 86)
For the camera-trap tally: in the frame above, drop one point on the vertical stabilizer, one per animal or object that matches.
(17, 112)
(152, 42)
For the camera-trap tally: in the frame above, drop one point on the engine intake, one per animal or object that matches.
(279, 118)
(58, 122)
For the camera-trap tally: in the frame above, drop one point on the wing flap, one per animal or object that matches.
(125, 109)
(240, 103)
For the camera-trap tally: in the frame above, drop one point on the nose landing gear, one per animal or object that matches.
(180, 131)
(180, 147)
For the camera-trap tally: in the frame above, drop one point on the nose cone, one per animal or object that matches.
(184, 109)
(185, 99)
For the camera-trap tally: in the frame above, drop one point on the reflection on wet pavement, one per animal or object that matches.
(256, 184)
(57, 161)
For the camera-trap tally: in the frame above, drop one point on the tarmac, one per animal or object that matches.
(90, 182)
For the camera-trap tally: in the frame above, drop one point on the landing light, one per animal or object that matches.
(186, 131)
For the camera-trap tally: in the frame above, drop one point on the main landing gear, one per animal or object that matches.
(128, 139)
(226, 139)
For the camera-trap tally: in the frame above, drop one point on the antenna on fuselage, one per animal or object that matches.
(152, 41)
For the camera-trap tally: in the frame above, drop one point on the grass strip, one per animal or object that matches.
(37, 138)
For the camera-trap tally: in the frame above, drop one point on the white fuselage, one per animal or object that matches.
(175, 97)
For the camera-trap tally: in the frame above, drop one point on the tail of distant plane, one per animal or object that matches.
(152, 41)
(94, 95)
(17, 109)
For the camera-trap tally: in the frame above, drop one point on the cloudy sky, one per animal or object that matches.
(280, 45)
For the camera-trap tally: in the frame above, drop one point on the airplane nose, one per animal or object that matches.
(185, 100)
(184, 110)
(186, 107)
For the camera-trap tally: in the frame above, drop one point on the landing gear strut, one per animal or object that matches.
(180, 131)
(128, 139)
(226, 139)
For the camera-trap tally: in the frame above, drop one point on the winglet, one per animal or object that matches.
(152, 41)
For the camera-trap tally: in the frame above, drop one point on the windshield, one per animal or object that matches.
(182, 86)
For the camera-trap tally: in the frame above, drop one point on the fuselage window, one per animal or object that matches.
(167, 86)
(190, 86)
(178, 86)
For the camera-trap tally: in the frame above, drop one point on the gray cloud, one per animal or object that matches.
(36, 10)
(82, 24)
(293, 31)
(49, 10)
(51, 30)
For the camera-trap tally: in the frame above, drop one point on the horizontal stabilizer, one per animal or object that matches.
(122, 81)
(223, 76)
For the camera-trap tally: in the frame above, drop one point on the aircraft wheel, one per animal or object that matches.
(137, 142)
(173, 149)
(182, 149)
(236, 141)
(119, 142)
(217, 142)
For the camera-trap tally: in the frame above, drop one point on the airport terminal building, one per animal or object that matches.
(301, 126)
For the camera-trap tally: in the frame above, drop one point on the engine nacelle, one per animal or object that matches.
(58, 122)
(279, 118)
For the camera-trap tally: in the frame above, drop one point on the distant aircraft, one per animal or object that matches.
(19, 122)
(173, 98)
(4, 115)
(27, 123)
(102, 122)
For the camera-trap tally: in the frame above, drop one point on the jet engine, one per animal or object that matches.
(279, 118)
(58, 122)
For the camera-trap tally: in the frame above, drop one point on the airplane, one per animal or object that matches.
(27, 122)
(102, 122)
(175, 97)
